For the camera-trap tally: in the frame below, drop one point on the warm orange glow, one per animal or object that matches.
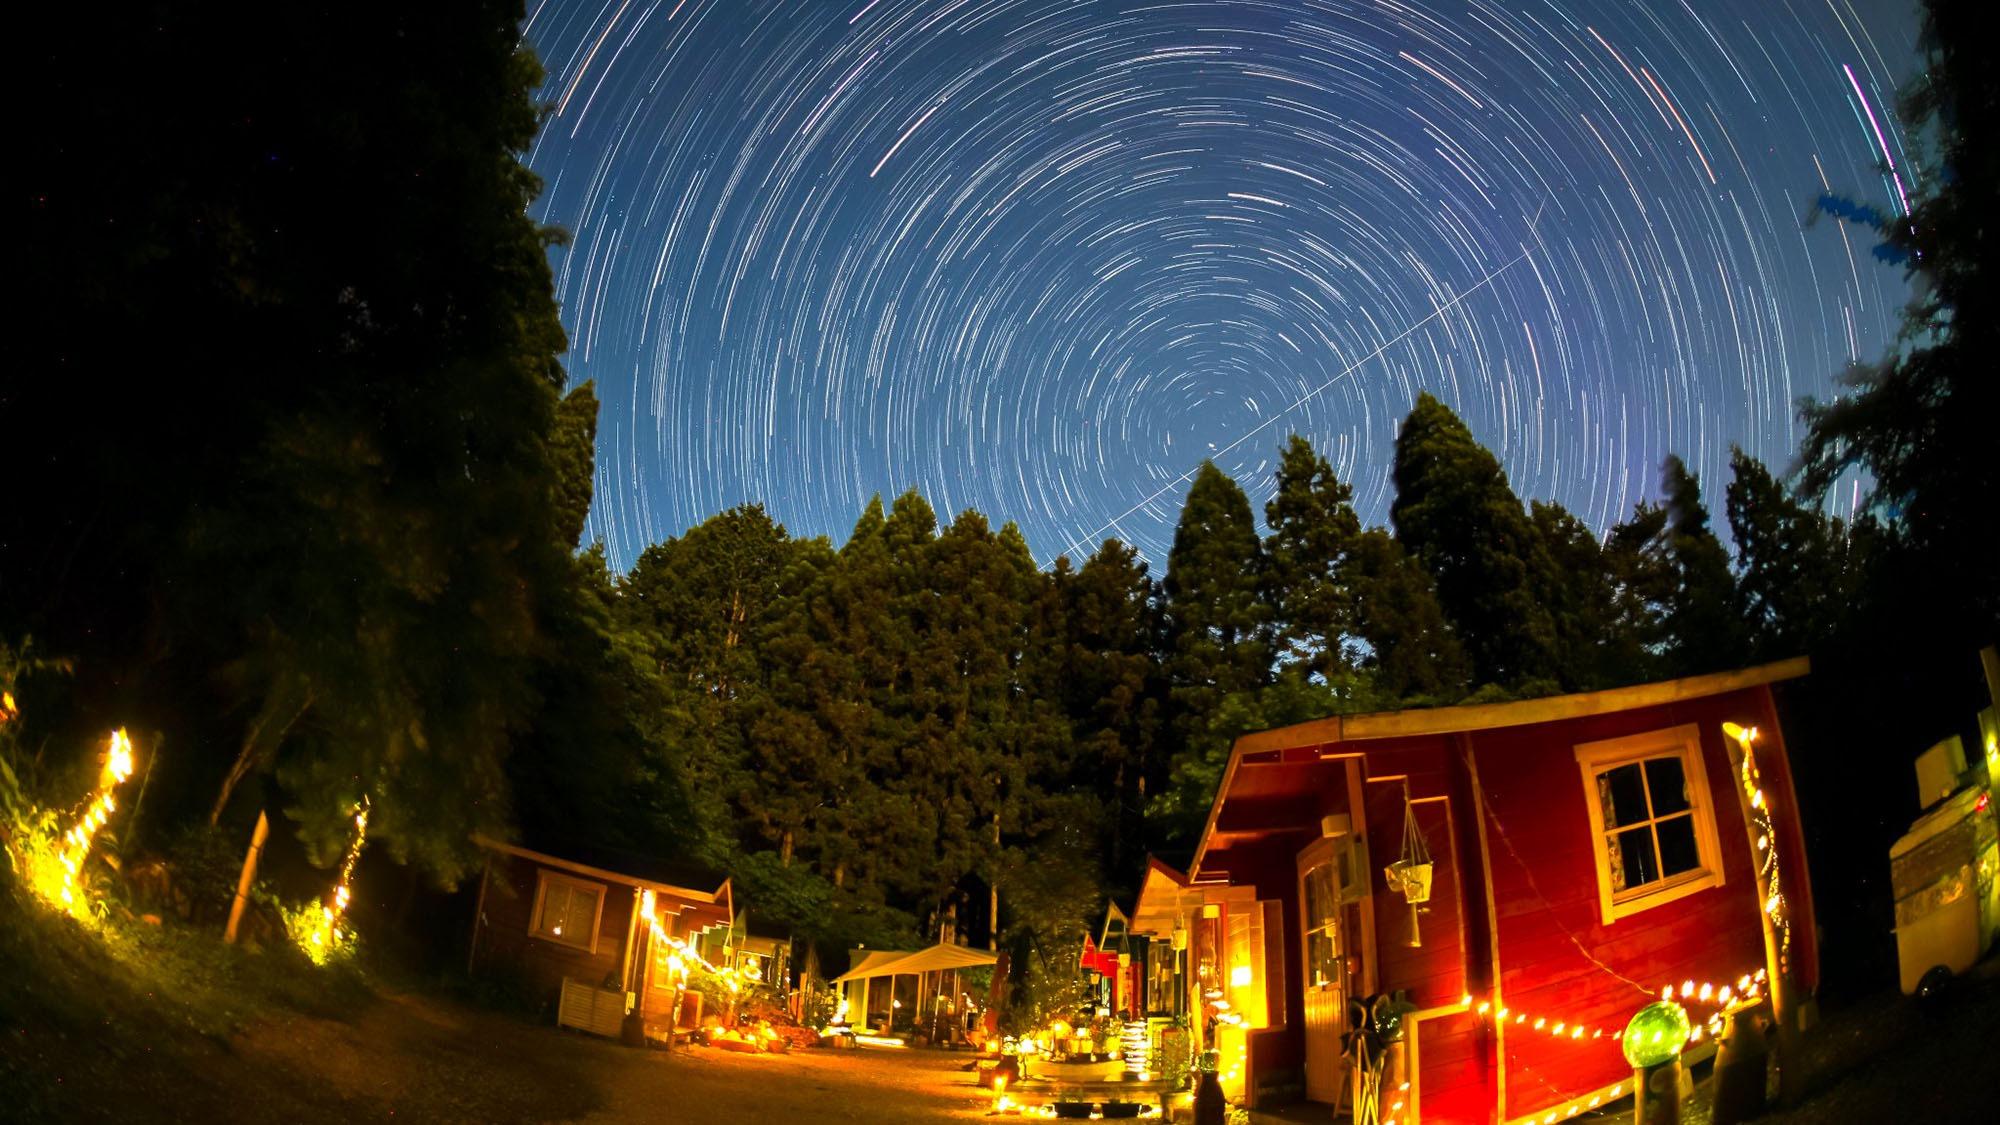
(318, 932)
(53, 865)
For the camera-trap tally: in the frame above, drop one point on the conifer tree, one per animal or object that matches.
(1217, 636)
(1794, 582)
(1455, 512)
(1413, 656)
(1313, 529)
(1581, 598)
(1113, 686)
(1703, 621)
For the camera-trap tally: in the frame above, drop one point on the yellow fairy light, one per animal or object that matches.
(318, 933)
(53, 866)
(1556, 1029)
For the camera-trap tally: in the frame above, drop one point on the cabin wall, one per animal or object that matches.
(1276, 1053)
(505, 945)
(1452, 1056)
(1558, 960)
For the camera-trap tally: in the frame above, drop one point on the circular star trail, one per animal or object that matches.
(1042, 257)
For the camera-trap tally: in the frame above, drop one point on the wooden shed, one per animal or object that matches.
(1586, 852)
(570, 928)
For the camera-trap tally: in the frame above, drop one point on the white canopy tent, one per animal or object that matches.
(927, 965)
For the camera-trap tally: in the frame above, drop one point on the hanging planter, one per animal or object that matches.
(1411, 873)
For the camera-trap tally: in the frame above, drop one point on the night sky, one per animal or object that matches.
(1041, 257)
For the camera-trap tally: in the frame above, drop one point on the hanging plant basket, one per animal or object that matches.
(1412, 880)
(1411, 873)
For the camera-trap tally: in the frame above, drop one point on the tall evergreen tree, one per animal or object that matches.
(1218, 625)
(1920, 422)
(1413, 656)
(1578, 589)
(1217, 635)
(1113, 686)
(1704, 623)
(1455, 512)
(1313, 529)
(1795, 582)
(363, 537)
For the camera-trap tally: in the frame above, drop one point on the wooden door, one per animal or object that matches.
(1323, 960)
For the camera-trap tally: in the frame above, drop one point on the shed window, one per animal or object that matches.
(567, 910)
(1652, 824)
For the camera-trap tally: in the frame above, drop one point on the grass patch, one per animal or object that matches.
(88, 1013)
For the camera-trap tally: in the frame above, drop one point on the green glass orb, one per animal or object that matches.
(1656, 1034)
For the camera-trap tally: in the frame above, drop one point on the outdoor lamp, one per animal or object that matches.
(1656, 1034)
(1652, 1044)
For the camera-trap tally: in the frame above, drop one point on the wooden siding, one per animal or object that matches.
(1558, 960)
(504, 938)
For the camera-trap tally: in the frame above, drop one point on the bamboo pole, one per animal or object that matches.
(249, 874)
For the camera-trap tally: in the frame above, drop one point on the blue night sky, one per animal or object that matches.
(1042, 257)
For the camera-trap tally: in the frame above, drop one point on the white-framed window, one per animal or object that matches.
(567, 910)
(1652, 823)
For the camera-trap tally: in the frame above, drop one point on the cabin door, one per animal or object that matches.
(1324, 961)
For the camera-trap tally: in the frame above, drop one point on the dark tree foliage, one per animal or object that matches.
(289, 495)
(1413, 654)
(1702, 619)
(1217, 622)
(1578, 587)
(1114, 687)
(1795, 561)
(1455, 512)
(1920, 423)
(1313, 531)
(1217, 636)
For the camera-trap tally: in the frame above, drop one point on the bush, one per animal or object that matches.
(204, 864)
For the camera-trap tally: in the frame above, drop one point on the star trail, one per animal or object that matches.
(1042, 257)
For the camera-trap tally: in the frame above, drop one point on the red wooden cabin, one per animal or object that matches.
(1588, 851)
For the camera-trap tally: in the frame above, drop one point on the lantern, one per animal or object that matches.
(1656, 1034)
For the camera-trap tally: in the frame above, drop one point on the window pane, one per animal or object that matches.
(1668, 784)
(1623, 794)
(1322, 958)
(1319, 895)
(1677, 848)
(1632, 850)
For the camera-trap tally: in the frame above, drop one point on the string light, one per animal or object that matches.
(1770, 888)
(1574, 1032)
(54, 867)
(681, 954)
(321, 936)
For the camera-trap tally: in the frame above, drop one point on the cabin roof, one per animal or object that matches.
(664, 876)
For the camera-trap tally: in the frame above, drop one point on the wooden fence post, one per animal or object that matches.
(244, 880)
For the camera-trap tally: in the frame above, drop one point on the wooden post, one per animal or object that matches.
(128, 838)
(639, 953)
(479, 909)
(1782, 988)
(244, 880)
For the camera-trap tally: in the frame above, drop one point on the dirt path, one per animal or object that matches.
(416, 1058)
